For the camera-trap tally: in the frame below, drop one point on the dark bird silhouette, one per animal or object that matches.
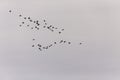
(50, 45)
(33, 45)
(48, 27)
(44, 26)
(43, 47)
(30, 20)
(44, 20)
(62, 29)
(45, 23)
(61, 41)
(40, 49)
(28, 17)
(25, 18)
(10, 11)
(38, 24)
(80, 43)
(46, 47)
(23, 22)
(64, 41)
(52, 30)
(37, 21)
(37, 28)
(33, 39)
(39, 45)
(59, 32)
(20, 25)
(34, 21)
(20, 15)
(55, 43)
(69, 42)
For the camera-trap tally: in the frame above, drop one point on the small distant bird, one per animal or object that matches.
(46, 47)
(69, 42)
(37, 28)
(33, 39)
(45, 23)
(23, 22)
(20, 25)
(43, 47)
(34, 21)
(39, 45)
(30, 20)
(64, 41)
(10, 11)
(40, 49)
(44, 20)
(20, 15)
(44, 26)
(28, 17)
(80, 43)
(62, 29)
(50, 45)
(54, 42)
(24, 17)
(61, 41)
(38, 24)
(48, 27)
(33, 45)
(52, 30)
(37, 21)
(59, 32)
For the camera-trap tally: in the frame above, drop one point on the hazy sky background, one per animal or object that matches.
(95, 22)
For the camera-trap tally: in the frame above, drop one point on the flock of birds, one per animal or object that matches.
(45, 25)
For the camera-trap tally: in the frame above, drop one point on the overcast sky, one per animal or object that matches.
(95, 23)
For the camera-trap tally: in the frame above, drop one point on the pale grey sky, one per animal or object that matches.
(95, 22)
